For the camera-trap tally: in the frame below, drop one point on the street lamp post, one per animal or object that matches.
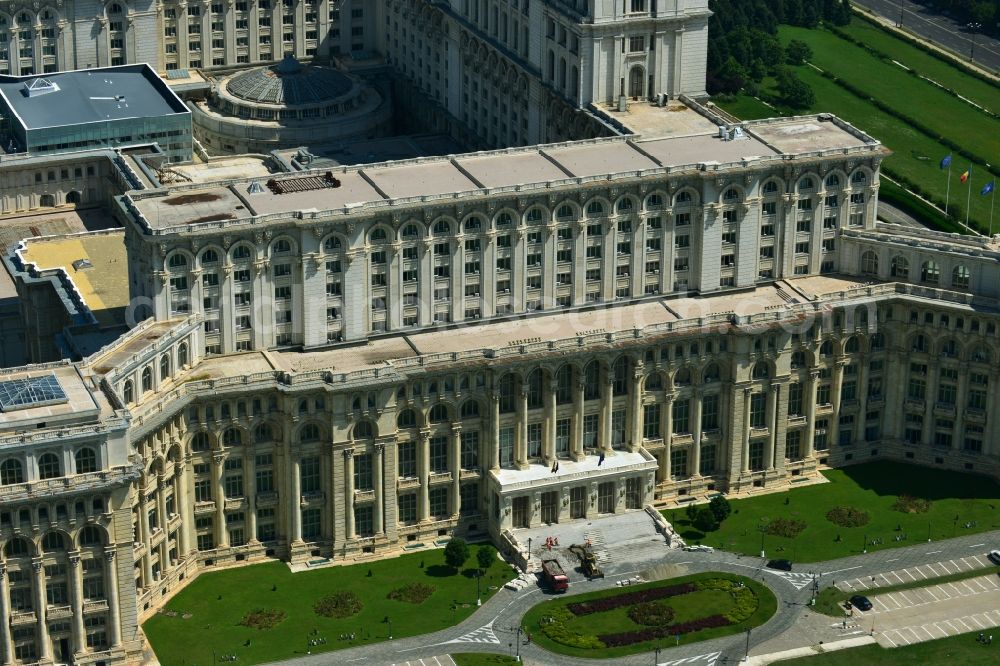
(479, 594)
(656, 656)
(762, 527)
(972, 46)
(864, 546)
(746, 657)
(900, 13)
(529, 548)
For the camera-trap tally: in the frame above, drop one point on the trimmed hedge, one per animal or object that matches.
(629, 598)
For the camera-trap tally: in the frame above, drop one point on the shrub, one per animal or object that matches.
(847, 516)
(412, 593)
(263, 618)
(651, 613)
(653, 633)
(554, 627)
(629, 598)
(720, 507)
(338, 605)
(746, 605)
(484, 557)
(909, 504)
(785, 527)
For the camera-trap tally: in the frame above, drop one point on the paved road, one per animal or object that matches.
(893, 215)
(491, 629)
(940, 30)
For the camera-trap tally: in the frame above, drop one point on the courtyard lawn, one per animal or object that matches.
(481, 659)
(687, 607)
(218, 601)
(958, 650)
(955, 500)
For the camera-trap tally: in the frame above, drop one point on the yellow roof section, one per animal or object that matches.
(104, 285)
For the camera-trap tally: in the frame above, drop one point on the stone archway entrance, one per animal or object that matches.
(636, 82)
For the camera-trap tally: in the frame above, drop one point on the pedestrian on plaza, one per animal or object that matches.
(990, 641)
(982, 638)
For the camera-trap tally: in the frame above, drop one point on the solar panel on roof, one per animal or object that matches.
(177, 74)
(30, 392)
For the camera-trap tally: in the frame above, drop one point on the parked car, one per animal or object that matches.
(994, 556)
(698, 548)
(861, 602)
(784, 565)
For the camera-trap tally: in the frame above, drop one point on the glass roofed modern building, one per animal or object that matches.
(109, 107)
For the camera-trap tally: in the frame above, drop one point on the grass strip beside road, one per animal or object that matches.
(480, 659)
(216, 602)
(830, 599)
(960, 650)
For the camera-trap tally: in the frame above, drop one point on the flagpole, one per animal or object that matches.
(968, 198)
(993, 200)
(947, 192)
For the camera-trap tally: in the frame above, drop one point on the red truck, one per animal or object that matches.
(554, 575)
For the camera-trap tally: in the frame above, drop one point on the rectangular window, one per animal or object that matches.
(470, 451)
(795, 399)
(363, 472)
(408, 508)
(534, 440)
(439, 502)
(439, 454)
(407, 465)
(311, 524)
(651, 421)
(309, 475)
(758, 402)
(710, 412)
(681, 421)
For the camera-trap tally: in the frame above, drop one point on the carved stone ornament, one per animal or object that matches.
(227, 240)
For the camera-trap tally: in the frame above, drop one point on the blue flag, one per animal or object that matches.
(946, 161)
(987, 188)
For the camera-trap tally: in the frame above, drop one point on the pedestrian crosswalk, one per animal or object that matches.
(702, 659)
(443, 660)
(799, 580)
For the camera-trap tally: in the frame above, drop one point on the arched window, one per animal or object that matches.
(859, 177)
(441, 228)
(17, 547)
(595, 208)
(364, 430)
(406, 419)
(771, 187)
(182, 354)
(564, 211)
(731, 195)
(86, 460)
(92, 536)
(869, 263)
(798, 360)
(128, 392)
(930, 272)
(470, 409)
(949, 348)
(209, 257)
(760, 371)
(281, 246)
(332, 244)
(533, 385)
(625, 206)
(177, 260)
(504, 220)
(473, 225)
(960, 277)
(241, 253)
(48, 466)
(919, 344)
(263, 433)
(852, 346)
(878, 342)
(711, 374)
(232, 437)
(200, 442)
(806, 184)
(564, 385)
(683, 377)
(147, 379)
(833, 180)
(309, 433)
(654, 382)
(900, 268)
(654, 201)
(11, 471)
(505, 389)
(980, 355)
(592, 381)
(164, 367)
(826, 349)
(53, 542)
(410, 232)
(438, 414)
(683, 198)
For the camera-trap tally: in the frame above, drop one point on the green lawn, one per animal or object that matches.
(961, 650)
(217, 602)
(917, 98)
(687, 607)
(977, 90)
(873, 487)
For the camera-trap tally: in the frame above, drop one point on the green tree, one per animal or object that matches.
(691, 512)
(456, 553)
(793, 91)
(797, 52)
(484, 557)
(720, 507)
(705, 520)
(731, 76)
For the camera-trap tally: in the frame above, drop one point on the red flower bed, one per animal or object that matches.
(629, 598)
(653, 633)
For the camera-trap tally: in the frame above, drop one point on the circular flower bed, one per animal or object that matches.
(785, 527)
(847, 516)
(412, 593)
(909, 504)
(339, 605)
(263, 618)
(651, 614)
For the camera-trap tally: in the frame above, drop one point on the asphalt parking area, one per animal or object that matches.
(929, 613)
(915, 574)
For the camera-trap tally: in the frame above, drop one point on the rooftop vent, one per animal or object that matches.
(80, 264)
(37, 87)
(255, 188)
(303, 184)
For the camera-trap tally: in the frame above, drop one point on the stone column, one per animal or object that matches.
(44, 642)
(424, 475)
(577, 452)
(549, 440)
(696, 398)
(5, 633)
(349, 532)
(221, 533)
(745, 442)
(456, 469)
(810, 396)
(250, 490)
(147, 540)
(76, 602)
(772, 425)
(838, 382)
(295, 499)
(607, 408)
(635, 395)
(521, 454)
(378, 461)
(114, 611)
(667, 425)
(164, 522)
(494, 443)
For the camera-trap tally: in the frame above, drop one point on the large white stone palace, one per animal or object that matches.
(334, 363)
